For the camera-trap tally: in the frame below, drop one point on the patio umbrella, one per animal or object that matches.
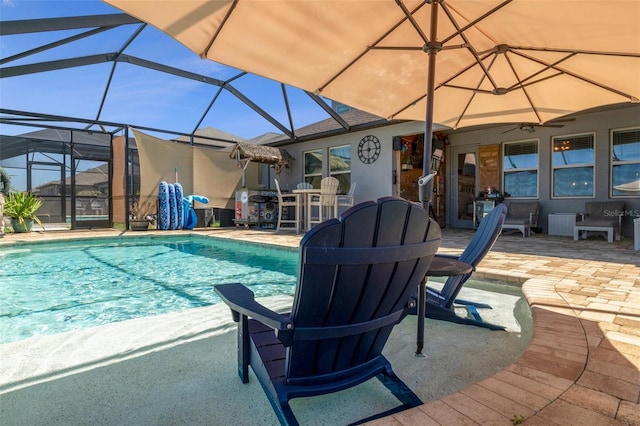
(455, 62)
(629, 186)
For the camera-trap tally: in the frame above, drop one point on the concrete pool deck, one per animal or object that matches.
(583, 363)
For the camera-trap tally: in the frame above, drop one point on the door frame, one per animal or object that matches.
(452, 163)
(62, 197)
(92, 223)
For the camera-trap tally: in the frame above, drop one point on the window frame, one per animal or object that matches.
(341, 172)
(310, 177)
(592, 165)
(506, 171)
(613, 163)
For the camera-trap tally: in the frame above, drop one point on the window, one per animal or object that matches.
(313, 167)
(625, 163)
(520, 167)
(572, 166)
(340, 166)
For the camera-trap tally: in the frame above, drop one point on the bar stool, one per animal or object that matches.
(285, 201)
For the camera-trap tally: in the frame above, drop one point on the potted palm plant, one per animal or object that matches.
(21, 207)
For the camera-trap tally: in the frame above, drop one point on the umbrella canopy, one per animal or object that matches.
(629, 186)
(456, 62)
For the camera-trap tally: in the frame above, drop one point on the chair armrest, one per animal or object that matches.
(241, 300)
(533, 219)
(345, 200)
(582, 215)
(448, 256)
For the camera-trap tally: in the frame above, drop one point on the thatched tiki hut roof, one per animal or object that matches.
(245, 152)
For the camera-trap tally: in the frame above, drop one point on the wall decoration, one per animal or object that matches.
(369, 149)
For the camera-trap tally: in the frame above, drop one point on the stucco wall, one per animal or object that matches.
(601, 123)
(375, 180)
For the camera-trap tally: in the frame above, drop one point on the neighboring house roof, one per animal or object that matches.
(267, 138)
(79, 136)
(353, 117)
(49, 141)
(94, 177)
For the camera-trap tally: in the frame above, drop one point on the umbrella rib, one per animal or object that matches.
(413, 22)
(473, 95)
(531, 83)
(395, 48)
(523, 87)
(580, 77)
(465, 69)
(526, 81)
(443, 84)
(410, 104)
(219, 29)
(464, 110)
(369, 48)
(470, 48)
(576, 51)
(342, 71)
(451, 47)
(455, 86)
(448, 7)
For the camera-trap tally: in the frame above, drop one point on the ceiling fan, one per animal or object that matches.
(531, 127)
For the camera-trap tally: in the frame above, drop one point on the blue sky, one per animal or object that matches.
(138, 96)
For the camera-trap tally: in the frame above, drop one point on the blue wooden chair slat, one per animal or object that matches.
(345, 305)
(440, 303)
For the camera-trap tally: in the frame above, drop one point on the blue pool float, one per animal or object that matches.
(190, 218)
(163, 200)
(179, 206)
(173, 207)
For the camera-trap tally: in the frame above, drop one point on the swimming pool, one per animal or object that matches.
(62, 286)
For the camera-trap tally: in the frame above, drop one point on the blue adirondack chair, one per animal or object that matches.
(358, 277)
(440, 303)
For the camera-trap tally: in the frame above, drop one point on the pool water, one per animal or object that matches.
(56, 287)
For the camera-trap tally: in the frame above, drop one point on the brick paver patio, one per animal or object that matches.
(582, 366)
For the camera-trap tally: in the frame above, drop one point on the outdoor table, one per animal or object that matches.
(306, 196)
(441, 266)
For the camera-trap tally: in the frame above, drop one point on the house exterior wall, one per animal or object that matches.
(600, 123)
(373, 180)
(376, 180)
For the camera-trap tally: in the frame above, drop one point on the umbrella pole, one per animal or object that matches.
(431, 48)
(426, 189)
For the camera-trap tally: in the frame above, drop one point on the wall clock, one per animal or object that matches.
(369, 149)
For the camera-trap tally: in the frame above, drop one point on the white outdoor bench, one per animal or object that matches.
(605, 216)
